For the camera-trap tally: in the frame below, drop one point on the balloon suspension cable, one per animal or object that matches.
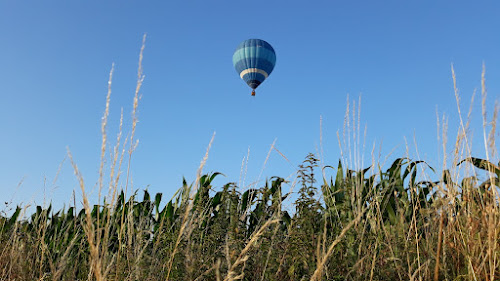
(253, 93)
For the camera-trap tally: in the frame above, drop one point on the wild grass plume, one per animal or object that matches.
(404, 220)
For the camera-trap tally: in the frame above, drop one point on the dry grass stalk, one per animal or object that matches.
(140, 79)
(95, 258)
(186, 222)
(104, 123)
(440, 243)
(242, 257)
(319, 269)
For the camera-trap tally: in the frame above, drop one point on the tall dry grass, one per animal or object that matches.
(403, 220)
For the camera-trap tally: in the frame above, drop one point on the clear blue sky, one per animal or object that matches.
(55, 57)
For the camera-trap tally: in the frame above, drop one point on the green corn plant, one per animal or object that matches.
(268, 200)
(398, 200)
(345, 197)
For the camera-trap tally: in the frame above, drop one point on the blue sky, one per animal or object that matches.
(55, 58)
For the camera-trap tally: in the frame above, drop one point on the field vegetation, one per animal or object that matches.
(407, 221)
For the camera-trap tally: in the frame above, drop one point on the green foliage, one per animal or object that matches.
(204, 230)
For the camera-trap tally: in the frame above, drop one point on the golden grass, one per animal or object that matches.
(457, 238)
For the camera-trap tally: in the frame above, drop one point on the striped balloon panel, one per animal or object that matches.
(254, 60)
(262, 64)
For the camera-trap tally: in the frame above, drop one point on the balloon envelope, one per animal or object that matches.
(254, 60)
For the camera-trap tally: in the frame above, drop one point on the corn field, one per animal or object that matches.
(384, 226)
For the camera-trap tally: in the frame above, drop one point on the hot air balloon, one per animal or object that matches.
(254, 60)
